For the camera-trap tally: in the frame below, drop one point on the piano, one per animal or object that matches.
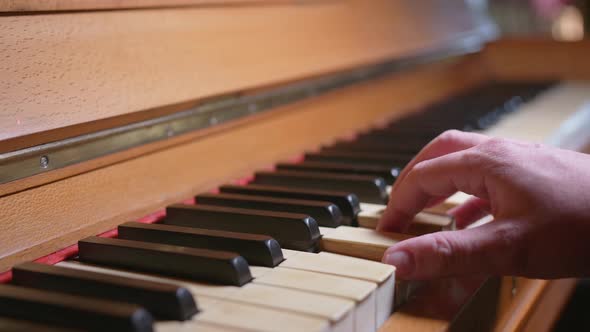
(220, 165)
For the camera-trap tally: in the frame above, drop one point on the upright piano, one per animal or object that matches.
(220, 165)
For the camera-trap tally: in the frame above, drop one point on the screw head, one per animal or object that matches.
(44, 162)
(169, 132)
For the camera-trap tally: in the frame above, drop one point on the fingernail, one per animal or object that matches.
(402, 261)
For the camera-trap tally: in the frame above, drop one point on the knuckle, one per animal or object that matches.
(497, 156)
(495, 147)
(419, 169)
(449, 136)
(445, 251)
(474, 158)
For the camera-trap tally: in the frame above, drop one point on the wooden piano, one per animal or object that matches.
(280, 116)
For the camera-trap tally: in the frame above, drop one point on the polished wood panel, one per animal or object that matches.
(536, 306)
(20, 6)
(552, 302)
(66, 74)
(537, 59)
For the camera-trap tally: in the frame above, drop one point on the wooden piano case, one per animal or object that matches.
(75, 72)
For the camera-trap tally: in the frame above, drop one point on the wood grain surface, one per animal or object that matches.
(32, 6)
(65, 74)
(538, 59)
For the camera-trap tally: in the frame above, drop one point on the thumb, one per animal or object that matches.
(494, 248)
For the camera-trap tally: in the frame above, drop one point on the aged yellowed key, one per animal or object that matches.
(367, 244)
(363, 293)
(453, 200)
(339, 309)
(324, 262)
(254, 318)
(268, 307)
(359, 242)
(192, 326)
(423, 223)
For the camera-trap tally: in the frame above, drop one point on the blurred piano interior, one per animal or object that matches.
(274, 113)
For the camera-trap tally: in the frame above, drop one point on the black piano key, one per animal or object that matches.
(378, 146)
(369, 189)
(256, 249)
(347, 203)
(19, 325)
(387, 173)
(165, 301)
(423, 136)
(199, 264)
(330, 154)
(291, 230)
(394, 131)
(72, 311)
(385, 138)
(325, 213)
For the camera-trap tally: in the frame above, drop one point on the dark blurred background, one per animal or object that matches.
(559, 19)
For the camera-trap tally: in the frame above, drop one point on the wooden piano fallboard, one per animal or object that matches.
(291, 77)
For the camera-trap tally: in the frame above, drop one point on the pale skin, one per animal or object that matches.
(539, 197)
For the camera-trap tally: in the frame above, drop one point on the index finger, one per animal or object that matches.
(448, 142)
(395, 217)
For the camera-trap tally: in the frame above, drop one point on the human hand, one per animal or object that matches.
(539, 198)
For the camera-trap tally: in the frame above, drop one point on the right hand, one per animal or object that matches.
(539, 197)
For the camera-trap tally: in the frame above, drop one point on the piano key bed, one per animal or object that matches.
(294, 249)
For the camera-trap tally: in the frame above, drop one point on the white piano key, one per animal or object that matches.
(192, 326)
(362, 292)
(358, 242)
(424, 222)
(339, 311)
(250, 317)
(351, 267)
(454, 200)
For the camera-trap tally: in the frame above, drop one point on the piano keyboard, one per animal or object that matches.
(292, 250)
